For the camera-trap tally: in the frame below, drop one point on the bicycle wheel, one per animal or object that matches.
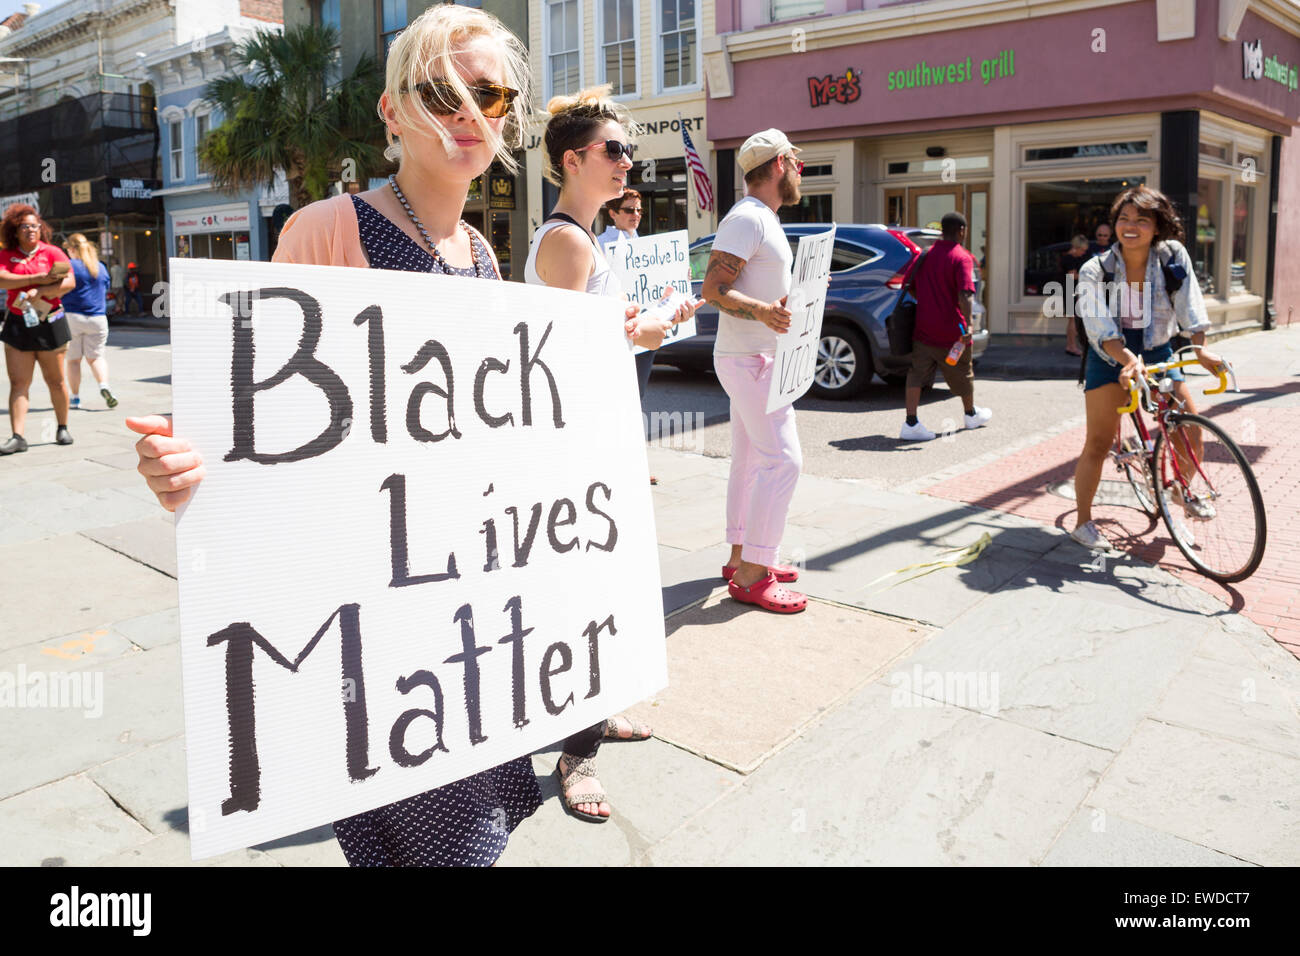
(1131, 459)
(1221, 528)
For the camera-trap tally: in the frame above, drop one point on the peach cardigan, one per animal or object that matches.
(323, 233)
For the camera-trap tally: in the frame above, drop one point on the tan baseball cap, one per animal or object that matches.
(761, 147)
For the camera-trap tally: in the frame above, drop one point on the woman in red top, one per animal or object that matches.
(27, 253)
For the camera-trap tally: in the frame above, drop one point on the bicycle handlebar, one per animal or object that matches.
(1140, 385)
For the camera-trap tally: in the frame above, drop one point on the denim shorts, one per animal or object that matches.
(1098, 372)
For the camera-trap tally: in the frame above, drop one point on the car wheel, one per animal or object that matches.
(843, 363)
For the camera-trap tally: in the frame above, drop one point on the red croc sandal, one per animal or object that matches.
(768, 594)
(782, 572)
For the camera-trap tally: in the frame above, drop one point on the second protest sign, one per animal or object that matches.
(795, 362)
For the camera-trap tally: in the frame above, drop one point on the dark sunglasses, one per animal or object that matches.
(634, 211)
(442, 99)
(613, 149)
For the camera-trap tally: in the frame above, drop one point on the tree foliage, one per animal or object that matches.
(282, 113)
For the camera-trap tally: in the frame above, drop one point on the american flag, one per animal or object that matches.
(703, 188)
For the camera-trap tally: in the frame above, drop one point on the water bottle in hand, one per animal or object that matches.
(30, 318)
(954, 353)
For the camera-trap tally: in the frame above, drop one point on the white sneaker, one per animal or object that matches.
(979, 419)
(1088, 536)
(917, 432)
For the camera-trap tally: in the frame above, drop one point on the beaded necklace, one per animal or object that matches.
(437, 256)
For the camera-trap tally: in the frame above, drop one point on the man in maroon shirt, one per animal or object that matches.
(944, 289)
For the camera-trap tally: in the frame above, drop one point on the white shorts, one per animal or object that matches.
(89, 335)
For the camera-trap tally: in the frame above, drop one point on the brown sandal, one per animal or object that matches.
(582, 767)
(639, 730)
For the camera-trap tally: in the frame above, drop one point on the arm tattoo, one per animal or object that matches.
(724, 268)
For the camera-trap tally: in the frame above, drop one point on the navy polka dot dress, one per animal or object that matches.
(465, 823)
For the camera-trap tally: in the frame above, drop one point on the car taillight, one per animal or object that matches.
(896, 281)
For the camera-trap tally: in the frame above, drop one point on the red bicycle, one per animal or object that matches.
(1193, 476)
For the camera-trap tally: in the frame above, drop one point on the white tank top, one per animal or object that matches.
(601, 280)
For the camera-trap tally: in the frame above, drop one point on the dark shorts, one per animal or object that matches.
(925, 358)
(1098, 372)
(42, 337)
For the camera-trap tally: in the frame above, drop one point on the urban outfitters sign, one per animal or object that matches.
(925, 74)
(425, 543)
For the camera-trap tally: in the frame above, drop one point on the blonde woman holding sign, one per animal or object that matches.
(589, 154)
(456, 83)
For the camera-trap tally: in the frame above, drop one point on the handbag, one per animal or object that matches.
(901, 324)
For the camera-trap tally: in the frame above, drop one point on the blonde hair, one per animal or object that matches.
(79, 247)
(574, 118)
(424, 51)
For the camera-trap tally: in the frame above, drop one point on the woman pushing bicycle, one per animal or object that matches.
(1132, 299)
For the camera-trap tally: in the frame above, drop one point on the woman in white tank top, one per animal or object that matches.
(588, 157)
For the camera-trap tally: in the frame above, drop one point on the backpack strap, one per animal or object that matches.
(910, 284)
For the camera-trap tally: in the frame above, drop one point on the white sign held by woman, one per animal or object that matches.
(651, 267)
(796, 351)
(424, 545)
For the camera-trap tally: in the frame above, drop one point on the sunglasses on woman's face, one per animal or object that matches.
(613, 149)
(631, 211)
(442, 99)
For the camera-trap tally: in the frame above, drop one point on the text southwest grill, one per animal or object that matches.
(923, 74)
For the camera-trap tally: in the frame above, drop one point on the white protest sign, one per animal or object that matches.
(795, 361)
(424, 545)
(649, 266)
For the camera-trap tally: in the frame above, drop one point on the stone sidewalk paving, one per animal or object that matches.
(1019, 709)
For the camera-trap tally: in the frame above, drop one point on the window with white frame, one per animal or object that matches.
(678, 41)
(176, 132)
(618, 45)
(790, 9)
(563, 43)
(202, 123)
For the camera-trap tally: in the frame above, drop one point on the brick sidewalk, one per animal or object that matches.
(1020, 484)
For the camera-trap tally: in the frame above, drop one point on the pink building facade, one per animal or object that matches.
(1029, 121)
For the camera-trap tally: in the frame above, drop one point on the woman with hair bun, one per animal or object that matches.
(588, 155)
(34, 331)
(453, 102)
(1149, 312)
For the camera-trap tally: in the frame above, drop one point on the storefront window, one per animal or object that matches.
(1242, 200)
(1214, 151)
(810, 209)
(664, 199)
(562, 39)
(618, 47)
(1210, 193)
(1057, 211)
(1087, 151)
(214, 245)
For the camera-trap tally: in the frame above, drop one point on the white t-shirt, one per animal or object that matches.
(612, 235)
(751, 231)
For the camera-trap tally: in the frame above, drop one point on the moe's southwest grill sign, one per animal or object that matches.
(835, 89)
(951, 74)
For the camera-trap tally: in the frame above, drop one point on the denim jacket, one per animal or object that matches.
(1161, 318)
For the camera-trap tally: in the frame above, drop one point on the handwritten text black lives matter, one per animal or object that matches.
(564, 532)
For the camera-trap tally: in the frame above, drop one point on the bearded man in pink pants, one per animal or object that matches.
(748, 280)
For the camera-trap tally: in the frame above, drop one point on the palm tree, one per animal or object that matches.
(282, 114)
